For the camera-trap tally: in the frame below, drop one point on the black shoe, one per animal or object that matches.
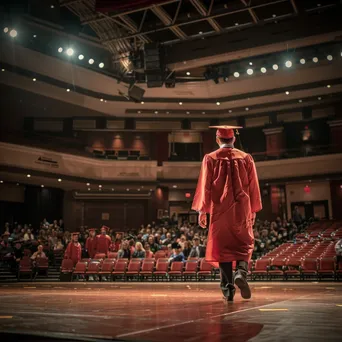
(228, 292)
(240, 280)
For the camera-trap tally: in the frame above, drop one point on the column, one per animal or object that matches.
(275, 141)
(336, 135)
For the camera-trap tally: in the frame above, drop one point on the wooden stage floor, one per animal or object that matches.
(178, 312)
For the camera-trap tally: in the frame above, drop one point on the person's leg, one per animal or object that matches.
(240, 279)
(227, 285)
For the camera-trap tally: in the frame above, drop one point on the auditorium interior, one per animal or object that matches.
(104, 121)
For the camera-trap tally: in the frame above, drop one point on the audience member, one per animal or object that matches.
(177, 254)
(39, 254)
(124, 252)
(197, 250)
(139, 251)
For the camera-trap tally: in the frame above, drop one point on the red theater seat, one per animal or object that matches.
(162, 267)
(205, 271)
(159, 254)
(292, 267)
(112, 255)
(276, 268)
(133, 269)
(25, 268)
(260, 268)
(119, 269)
(326, 268)
(147, 269)
(176, 270)
(309, 268)
(99, 256)
(93, 268)
(190, 270)
(107, 268)
(42, 265)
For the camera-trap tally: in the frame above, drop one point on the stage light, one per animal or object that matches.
(59, 179)
(302, 61)
(275, 67)
(60, 50)
(250, 71)
(188, 73)
(287, 92)
(101, 65)
(288, 64)
(236, 74)
(34, 79)
(91, 61)
(69, 52)
(42, 186)
(315, 59)
(6, 29)
(142, 102)
(263, 70)
(218, 103)
(80, 57)
(180, 103)
(13, 33)
(68, 90)
(28, 176)
(329, 57)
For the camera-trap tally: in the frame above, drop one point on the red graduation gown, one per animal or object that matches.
(102, 243)
(73, 252)
(228, 189)
(90, 246)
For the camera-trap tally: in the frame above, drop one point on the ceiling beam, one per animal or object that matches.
(201, 8)
(222, 14)
(133, 26)
(251, 11)
(294, 5)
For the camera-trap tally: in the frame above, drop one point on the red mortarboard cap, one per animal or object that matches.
(105, 227)
(75, 233)
(225, 132)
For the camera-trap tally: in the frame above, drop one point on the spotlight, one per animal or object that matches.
(188, 73)
(263, 70)
(52, 6)
(315, 59)
(275, 67)
(68, 90)
(218, 103)
(101, 65)
(6, 29)
(34, 36)
(101, 100)
(28, 176)
(2, 69)
(319, 98)
(69, 51)
(112, 189)
(59, 179)
(236, 24)
(91, 61)
(329, 57)
(60, 50)
(230, 111)
(200, 32)
(302, 61)
(180, 103)
(288, 64)
(80, 57)
(250, 63)
(100, 186)
(127, 189)
(88, 189)
(287, 92)
(1, 181)
(88, 184)
(250, 71)
(174, 186)
(247, 108)
(142, 102)
(34, 79)
(42, 186)
(139, 112)
(236, 74)
(328, 86)
(300, 101)
(13, 33)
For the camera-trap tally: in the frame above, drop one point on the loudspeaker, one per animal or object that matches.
(136, 93)
(154, 79)
(152, 57)
(307, 113)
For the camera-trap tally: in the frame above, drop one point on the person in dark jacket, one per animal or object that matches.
(197, 251)
(177, 254)
(124, 252)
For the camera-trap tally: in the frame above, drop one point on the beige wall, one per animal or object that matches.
(320, 191)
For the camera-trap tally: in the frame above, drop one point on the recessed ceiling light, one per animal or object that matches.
(236, 74)
(218, 103)
(142, 102)
(127, 189)
(328, 86)
(1, 181)
(155, 112)
(329, 57)
(250, 63)
(200, 32)
(247, 108)
(28, 176)
(42, 186)
(88, 184)
(275, 67)
(68, 90)
(174, 186)
(88, 189)
(34, 79)
(263, 70)
(315, 59)
(250, 71)
(101, 100)
(139, 112)
(287, 92)
(180, 103)
(34, 36)
(80, 57)
(319, 98)
(203, 112)
(188, 73)
(302, 61)
(101, 65)
(13, 33)
(288, 64)
(230, 111)
(300, 101)
(91, 61)
(100, 186)
(69, 51)
(6, 29)
(59, 179)
(2, 69)
(236, 24)
(60, 50)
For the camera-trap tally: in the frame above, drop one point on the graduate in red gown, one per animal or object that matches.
(228, 190)
(90, 243)
(74, 249)
(103, 241)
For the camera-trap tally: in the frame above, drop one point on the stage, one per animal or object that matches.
(165, 312)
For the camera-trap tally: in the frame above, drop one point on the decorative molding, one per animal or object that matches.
(273, 130)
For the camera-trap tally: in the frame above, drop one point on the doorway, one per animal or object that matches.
(316, 209)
